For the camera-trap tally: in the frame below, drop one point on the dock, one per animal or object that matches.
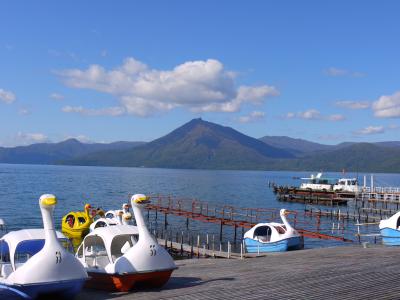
(351, 272)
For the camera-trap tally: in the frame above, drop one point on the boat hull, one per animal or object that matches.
(126, 282)
(293, 243)
(390, 236)
(65, 289)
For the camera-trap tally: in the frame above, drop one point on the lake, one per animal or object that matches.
(109, 187)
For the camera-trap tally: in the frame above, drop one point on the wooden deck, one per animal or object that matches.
(349, 272)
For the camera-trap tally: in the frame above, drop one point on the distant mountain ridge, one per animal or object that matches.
(199, 144)
(51, 153)
(196, 144)
(297, 147)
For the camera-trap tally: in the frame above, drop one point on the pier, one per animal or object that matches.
(350, 273)
(235, 217)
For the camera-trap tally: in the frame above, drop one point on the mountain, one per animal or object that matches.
(297, 147)
(356, 157)
(50, 153)
(196, 144)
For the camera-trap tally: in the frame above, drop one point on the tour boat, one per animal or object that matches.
(317, 183)
(36, 263)
(76, 224)
(122, 257)
(113, 217)
(390, 230)
(273, 237)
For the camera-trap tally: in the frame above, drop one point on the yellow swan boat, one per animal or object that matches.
(76, 225)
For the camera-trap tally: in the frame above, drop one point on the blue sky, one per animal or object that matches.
(130, 70)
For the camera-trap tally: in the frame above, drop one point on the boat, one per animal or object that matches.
(37, 263)
(121, 257)
(113, 217)
(273, 237)
(76, 225)
(390, 230)
(317, 183)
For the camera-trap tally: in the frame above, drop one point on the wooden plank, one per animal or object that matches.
(326, 273)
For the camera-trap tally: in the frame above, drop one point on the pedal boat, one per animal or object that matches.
(37, 264)
(76, 225)
(122, 257)
(113, 217)
(273, 237)
(390, 230)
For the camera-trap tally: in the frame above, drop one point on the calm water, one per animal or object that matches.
(107, 187)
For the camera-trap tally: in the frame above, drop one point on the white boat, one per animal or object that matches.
(121, 257)
(50, 269)
(390, 230)
(325, 184)
(317, 183)
(273, 237)
(114, 217)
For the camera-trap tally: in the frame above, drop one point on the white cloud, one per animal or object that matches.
(370, 130)
(313, 114)
(103, 53)
(7, 96)
(200, 86)
(353, 104)
(252, 117)
(56, 96)
(337, 72)
(387, 106)
(23, 139)
(108, 111)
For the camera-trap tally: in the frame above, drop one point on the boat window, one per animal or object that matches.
(263, 233)
(95, 252)
(70, 220)
(81, 220)
(100, 224)
(4, 252)
(280, 229)
(120, 244)
(110, 215)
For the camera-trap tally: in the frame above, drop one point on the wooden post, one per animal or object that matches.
(229, 249)
(207, 242)
(165, 220)
(187, 223)
(241, 250)
(220, 232)
(198, 246)
(234, 236)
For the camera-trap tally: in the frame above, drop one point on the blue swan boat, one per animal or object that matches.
(390, 230)
(273, 237)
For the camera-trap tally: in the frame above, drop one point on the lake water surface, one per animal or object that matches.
(108, 187)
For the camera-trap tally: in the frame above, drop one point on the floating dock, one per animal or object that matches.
(326, 273)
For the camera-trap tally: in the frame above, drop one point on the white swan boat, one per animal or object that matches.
(390, 230)
(121, 257)
(37, 263)
(273, 237)
(114, 217)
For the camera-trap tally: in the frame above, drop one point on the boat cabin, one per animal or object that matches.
(106, 244)
(17, 247)
(267, 232)
(317, 183)
(346, 185)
